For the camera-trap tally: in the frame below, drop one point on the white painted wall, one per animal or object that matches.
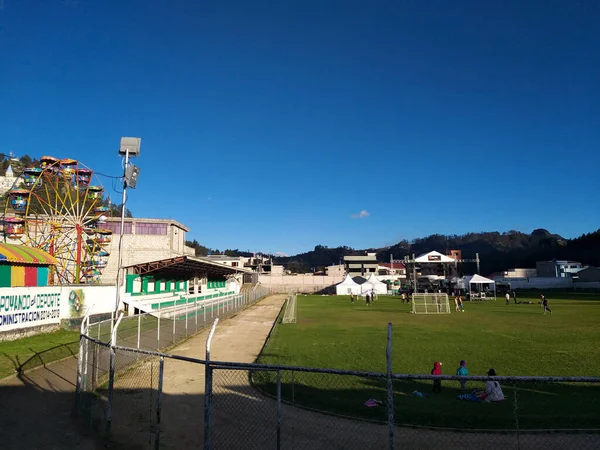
(36, 306)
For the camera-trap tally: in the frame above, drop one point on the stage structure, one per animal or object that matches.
(432, 258)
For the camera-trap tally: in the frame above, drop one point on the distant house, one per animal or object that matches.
(588, 274)
(337, 270)
(558, 269)
(520, 273)
(396, 269)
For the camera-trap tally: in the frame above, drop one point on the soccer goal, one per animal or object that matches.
(430, 304)
(290, 313)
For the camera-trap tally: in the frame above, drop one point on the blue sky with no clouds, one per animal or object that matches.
(276, 126)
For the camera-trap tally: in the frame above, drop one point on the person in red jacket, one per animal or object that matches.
(437, 370)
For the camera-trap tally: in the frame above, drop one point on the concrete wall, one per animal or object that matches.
(299, 283)
(538, 283)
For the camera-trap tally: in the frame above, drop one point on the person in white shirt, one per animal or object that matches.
(507, 298)
(492, 389)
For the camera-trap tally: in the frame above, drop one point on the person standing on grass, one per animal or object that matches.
(456, 304)
(460, 303)
(515, 297)
(507, 298)
(403, 297)
(545, 305)
(437, 370)
(542, 298)
(351, 297)
(462, 372)
(368, 299)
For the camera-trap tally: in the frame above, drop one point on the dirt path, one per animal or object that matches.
(244, 418)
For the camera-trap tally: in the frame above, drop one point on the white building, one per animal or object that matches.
(231, 261)
(558, 268)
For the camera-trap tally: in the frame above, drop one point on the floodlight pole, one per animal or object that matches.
(120, 265)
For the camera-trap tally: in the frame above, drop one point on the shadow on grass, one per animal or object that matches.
(531, 406)
(42, 358)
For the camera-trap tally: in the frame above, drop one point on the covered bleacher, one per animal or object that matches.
(174, 283)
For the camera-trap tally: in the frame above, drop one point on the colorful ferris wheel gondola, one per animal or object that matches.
(32, 177)
(49, 163)
(67, 168)
(19, 199)
(14, 226)
(84, 176)
(94, 192)
(101, 215)
(103, 237)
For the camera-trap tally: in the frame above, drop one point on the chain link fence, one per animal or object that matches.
(133, 397)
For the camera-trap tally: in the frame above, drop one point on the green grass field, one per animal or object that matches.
(515, 340)
(27, 353)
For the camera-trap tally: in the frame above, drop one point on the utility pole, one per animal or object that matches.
(414, 270)
(477, 260)
(129, 147)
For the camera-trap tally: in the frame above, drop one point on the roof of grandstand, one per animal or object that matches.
(184, 267)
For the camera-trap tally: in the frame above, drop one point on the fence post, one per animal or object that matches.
(158, 329)
(278, 409)
(80, 368)
(196, 312)
(208, 389)
(139, 327)
(174, 319)
(390, 388)
(97, 354)
(111, 377)
(186, 317)
(516, 412)
(161, 371)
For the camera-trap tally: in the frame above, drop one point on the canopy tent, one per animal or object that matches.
(434, 257)
(481, 287)
(347, 287)
(377, 286)
(367, 288)
(21, 254)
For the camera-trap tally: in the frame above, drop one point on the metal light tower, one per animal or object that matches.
(130, 146)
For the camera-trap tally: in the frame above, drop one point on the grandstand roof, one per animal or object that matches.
(184, 267)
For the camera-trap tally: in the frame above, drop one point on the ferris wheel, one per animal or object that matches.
(58, 208)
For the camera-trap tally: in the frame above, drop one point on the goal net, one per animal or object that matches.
(430, 304)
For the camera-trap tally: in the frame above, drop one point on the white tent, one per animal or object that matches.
(434, 257)
(347, 287)
(379, 287)
(366, 288)
(481, 287)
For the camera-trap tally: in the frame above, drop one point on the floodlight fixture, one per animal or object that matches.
(130, 146)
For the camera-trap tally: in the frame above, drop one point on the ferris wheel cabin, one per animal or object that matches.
(32, 177)
(19, 198)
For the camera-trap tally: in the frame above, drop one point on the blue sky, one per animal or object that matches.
(271, 126)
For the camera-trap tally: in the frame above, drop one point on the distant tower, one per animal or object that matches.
(12, 157)
(9, 172)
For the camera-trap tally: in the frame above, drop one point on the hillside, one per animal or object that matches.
(497, 251)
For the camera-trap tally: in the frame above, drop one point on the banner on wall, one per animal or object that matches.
(34, 306)
(22, 308)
